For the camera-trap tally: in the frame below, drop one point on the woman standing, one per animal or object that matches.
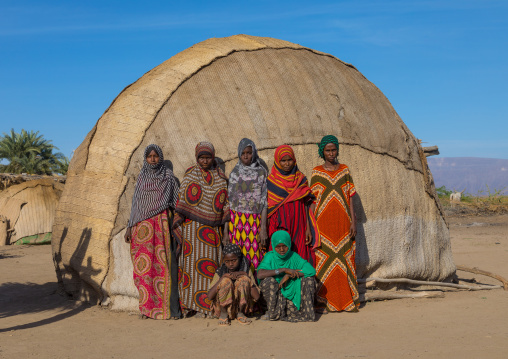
(201, 212)
(333, 187)
(153, 256)
(248, 204)
(290, 204)
(287, 282)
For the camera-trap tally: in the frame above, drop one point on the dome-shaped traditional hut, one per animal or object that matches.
(29, 210)
(274, 92)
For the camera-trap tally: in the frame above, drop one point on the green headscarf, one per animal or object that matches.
(273, 260)
(326, 140)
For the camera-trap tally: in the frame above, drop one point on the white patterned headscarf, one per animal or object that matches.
(247, 184)
(156, 189)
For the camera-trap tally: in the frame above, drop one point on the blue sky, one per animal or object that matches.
(442, 64)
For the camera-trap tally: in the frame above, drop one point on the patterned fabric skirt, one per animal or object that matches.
(155, 268)
(244, 231)
(336, 275)
(292, 218)
(200, 258)
(234, 296)
(280, 308)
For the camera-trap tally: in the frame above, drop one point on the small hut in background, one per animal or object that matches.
(271, 91)
(27, 209)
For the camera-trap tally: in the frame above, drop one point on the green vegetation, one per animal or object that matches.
(484, 202)
(31, 153)
(442, 192)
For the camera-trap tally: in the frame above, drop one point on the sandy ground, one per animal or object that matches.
(36, 322)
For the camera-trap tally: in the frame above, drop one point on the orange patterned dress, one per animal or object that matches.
(335, 259)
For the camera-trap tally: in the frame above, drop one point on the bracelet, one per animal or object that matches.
(277, 272)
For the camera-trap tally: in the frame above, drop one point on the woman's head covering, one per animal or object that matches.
(243, 264)
(284, 238)
(291, 260)
(244, 143)
(280, 153)
(205, 148)
(247, 183)
(285, 186)
(326, 140)
(156, 189)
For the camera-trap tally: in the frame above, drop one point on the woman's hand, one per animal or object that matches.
(308, 236)
(283, 281)
(225, 235)
(128, 235)
(352, 230)
(293, 273)
(263, 238)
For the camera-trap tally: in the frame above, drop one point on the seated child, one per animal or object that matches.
(287, 282)
(233, 289)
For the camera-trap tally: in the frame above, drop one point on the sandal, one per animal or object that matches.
(224, 322)
(243, 320)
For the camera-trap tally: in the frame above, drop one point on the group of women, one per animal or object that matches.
(254, 242)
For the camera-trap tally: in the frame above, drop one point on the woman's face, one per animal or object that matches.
(231, 261)
(246, 156)
(205, 161)
(152, 158)
(287, 163)
(281, 249)
(330, 152)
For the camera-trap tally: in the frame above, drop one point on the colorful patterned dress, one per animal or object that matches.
(247, 195)
(289, 200)
(336, 269)
(154, 262)
(152, 253)
(202, 209)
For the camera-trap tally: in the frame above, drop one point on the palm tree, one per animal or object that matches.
(29, 152)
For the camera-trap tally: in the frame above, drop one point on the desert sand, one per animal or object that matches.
(37, 322)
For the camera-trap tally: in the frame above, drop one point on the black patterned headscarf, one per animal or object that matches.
(156, 189)
(243, 265)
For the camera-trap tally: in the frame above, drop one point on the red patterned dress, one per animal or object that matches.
(151, 257)
(335, 267)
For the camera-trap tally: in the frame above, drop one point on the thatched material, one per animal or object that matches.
(10, 179)
(273, 92)
(30, 208)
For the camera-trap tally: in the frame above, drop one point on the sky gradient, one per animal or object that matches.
(442, 64)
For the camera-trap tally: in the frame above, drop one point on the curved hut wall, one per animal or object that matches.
(273, 92)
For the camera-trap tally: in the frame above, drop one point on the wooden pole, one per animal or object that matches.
(484, 272)
(437, 284)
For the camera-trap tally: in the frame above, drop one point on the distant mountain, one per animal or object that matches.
(471, 173)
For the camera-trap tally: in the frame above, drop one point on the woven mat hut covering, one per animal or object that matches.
(274, 92)
(29, 208)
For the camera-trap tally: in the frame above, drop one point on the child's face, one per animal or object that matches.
(246, 156)
(231, 261)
